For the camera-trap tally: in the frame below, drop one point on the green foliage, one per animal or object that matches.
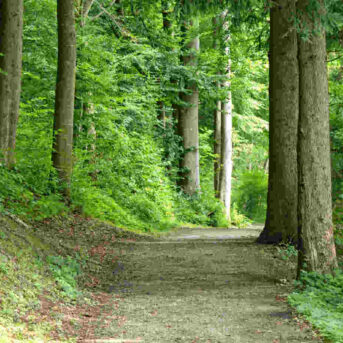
(16, 196)
(287, 251)
(65, 270)
(250, 194)
(201, 209)
(238, 219)
(126, 163)
(320, 300)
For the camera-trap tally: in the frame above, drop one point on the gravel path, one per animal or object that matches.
(201, 286)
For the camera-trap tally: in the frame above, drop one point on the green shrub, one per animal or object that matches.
(320, 299)
(250, 194)
(66, 271)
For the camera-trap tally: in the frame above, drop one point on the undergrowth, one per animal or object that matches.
(320, 299)
(26, 275)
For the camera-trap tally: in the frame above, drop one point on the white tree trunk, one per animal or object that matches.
(226, 122)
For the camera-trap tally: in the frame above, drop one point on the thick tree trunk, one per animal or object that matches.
(188, 127)
(316, 243)
(65, 92)
(226, 134)
(281, 221)
(11, 41)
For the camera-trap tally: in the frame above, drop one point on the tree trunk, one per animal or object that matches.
(86, 6)
(216, 123)
(166, 24)
(226, 133)
(217, 145)
(65, 92)
(316, 243)
(188, 127)
(166, 15)
(11, 41)
(281, 221)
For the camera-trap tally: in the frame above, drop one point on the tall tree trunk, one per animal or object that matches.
(217, 145)
(316, 243)
(226, 132)
(188, 126)
(166, 24)
(11, 41)
(65, 92)
(281, 221)
(216, 122)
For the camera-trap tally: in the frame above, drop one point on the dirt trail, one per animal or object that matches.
(200, 286)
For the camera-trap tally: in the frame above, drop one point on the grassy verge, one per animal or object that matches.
(319, 298)
(31, 273)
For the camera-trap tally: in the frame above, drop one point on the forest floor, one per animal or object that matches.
(189, 286)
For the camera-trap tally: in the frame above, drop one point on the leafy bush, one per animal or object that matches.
(250, 194)
(17, 196)
(200, 209)
(65, 270)
(320, 299)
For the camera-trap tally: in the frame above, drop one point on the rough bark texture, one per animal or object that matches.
(281, 221)
(65, 91)
(11, 41)
(188, 127)
(226, 133)
(316, 243)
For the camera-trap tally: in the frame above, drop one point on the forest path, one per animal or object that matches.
(198, 286)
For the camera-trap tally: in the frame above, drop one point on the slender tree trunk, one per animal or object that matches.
(65, 92)
(216, 123)
(281, 221)
(166, 15)
(11, 41)
(188, 126)
(226, 133)
(316, 243)
(86, 6)
(217, 145)
(166, 24)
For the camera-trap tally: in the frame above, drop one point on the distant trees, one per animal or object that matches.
(281, 222)
(11, 27)
(65, 92)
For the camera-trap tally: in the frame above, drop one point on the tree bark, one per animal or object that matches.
(316, 243)
(226, 132)
(188, 126)
(216, 123)
(11, 41)
(86, 6)
(217, 145)
(65, 92)
(281, 220)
